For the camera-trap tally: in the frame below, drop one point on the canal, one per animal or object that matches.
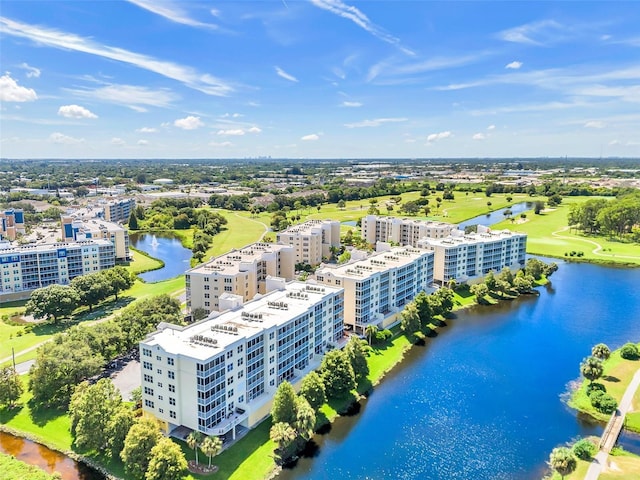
(166, 247)
(485, 399)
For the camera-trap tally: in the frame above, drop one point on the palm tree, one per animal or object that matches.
(371, 331)
(193, 440)
(591, 368)
(211, 447)
(563, 461)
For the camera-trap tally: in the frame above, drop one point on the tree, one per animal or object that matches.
(584, 449)
(167, 461)
(211, 446)
(357, 357)
(284, 404)
(410, 208)
(523, 283)
(591, 368)
(305, 420)
(193, 440)
(284, 436)
(410, 321)
(337, 374)
(601, 351)
(480, 290)
(92, 288)
(490, 281)
(312, 389)
(506, 275)
(629, 351)
(538, 207)
(563, 461)
(133, 221)
(370, 332)
(341, 204)
(136, 454)
(10, 386)
(119, 279)
(117, 430)
(424, 308)
(91, 409)
(54, 301)
(535, 268)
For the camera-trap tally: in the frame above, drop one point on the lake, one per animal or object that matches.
(166, 247)
(497, 216)
(484, 399)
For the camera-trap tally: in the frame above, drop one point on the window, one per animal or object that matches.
(271, 359)
(241, 399)
(146, 352)
(172, 375)
(170, 361)
(229, 354)
(230, 394)
(172, 414)
(240, 374)
(271, 347)
(240, 348)
(161, 410)
(158, 357)
(159, 372)
(147, 365)
(272, 371)
(172, 388)
(160, 397)
(240, 361)
(271, 335)
(172, 401)
(229, 380)
(148, 403)
(148, 378)
(160, 384)
(148, 391)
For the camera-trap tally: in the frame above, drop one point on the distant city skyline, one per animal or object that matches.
(319, 79)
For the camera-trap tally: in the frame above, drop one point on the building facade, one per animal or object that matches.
(118, 211)
(25, 268)
(403, 231)
(78, 229)
(377, 288)
(240, 272)
(11, 224)
(463, 257)
(312, 240)
(222, 372)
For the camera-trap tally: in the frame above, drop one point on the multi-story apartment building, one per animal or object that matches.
(240, 272)
(377, 288)
(403, 231)
(118, 211)
(464, 257)
(11, 223)
(222, 372)
(312, 240)
(25, 268)
(78, 229)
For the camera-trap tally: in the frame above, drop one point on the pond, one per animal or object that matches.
(484, 399)
(48, 460)
(497, 216)
(166, 247)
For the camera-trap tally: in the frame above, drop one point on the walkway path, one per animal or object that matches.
(612, 432)
(595, 251)
(266, 229)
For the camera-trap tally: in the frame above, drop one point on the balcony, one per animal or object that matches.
(228, 423)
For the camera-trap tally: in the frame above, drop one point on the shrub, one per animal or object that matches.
(382, 336)
(629, 351)
(584, 449)
(595, 386)
(603, 402)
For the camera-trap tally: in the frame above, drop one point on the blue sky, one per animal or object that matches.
(319, 79)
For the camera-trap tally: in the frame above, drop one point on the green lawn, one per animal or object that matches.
(142, 262)
(241, 229)
(13, 469)
(547, 236)
(622, 466)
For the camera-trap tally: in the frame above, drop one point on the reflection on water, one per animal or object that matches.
(48, 460)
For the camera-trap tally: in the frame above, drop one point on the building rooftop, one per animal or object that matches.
(212, 335)
(230, 263)
(7, 248)
(307, 227)
(472, 238)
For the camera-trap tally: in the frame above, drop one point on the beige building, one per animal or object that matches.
(377, 288)
(312, 240)
(11, 224)
(464, 257)
(218, 376)
(240, 272)
(118, 211)
(403, 231)
(76, 228)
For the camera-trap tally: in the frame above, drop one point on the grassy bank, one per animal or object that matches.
(13, 469)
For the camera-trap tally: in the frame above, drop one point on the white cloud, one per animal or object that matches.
(10, 91)
(351, 104)
(171, 11)
(221, 144)
(434, 137)
(231, 115)
(310, 138)
(595, 124)
(356, 16)
(143, 143)
(132, 96)
(117, 141)
(64, 139)
(146, 130)
(254, 130)
(32, 72)
(234, 132)
(75, 111)
(479, 136)
(491, 127)
(535, 33)
(513, 65)
(285, 75)
(615, 142)
(188, 123)
(202, 82)
(376, 122)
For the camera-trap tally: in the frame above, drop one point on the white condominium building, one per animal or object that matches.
(25, 268)
(119, 211)
(75, 228)
(312, 240)
(240, 272)
(377, 288)
(403, 231)
(223, 371)
(464, 257)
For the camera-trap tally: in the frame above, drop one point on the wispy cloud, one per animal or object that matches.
(392, 68)
(62, 139)
(171, 11)
(479, 136)
(238, 132)
(434, 137)
(142, 143)
(118, 142)
(188, 123)
(75, 111)
(285, 75)
(221, 144)
(131, 96)
(310, 138)
(351, 104)
(595, 124)
(202, 82)
(534, 33)
(491, 127)
(350, 12)
(10, 91)
(32, 72)
(513, 65)
(376, 122)
(146, 130)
